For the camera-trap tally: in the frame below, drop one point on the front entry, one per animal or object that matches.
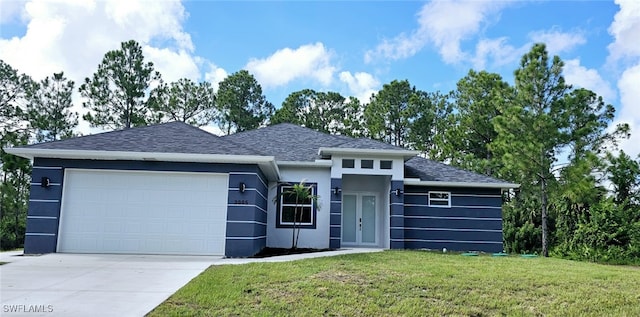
(359, 219)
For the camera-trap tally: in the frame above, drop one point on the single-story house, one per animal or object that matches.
(175, 189)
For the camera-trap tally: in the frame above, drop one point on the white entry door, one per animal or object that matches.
(359, 219)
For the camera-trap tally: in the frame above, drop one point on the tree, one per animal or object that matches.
(116, 94)
(184, 101)
(545, 119)
(478, 99)
(241, 103)
(624, 174)
(321, 111)
(389, 114)
(430, 122)
(15, 91)
(49, 112)
(301, 194)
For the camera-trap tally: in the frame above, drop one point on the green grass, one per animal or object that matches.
(410, 283)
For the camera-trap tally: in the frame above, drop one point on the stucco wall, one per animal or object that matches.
(309, 238)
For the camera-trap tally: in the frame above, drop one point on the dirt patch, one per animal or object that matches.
(342, 277)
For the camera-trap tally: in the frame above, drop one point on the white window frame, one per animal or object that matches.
(448, 199)
(285, 188)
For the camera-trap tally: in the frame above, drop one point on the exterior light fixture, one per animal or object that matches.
(45, 182)
(242, 187)
(397, 192)
(337, 190)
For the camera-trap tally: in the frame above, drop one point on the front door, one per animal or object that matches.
(359, 219)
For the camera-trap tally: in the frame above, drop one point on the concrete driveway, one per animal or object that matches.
(105, 284)
(93, 284)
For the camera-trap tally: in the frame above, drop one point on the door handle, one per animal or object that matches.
(360, 224)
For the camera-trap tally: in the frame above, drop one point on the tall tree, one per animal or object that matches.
(432, 118)
(478, 99)
(531, 128)
(548, 118)
(15, 91)
(241, 103)
(321, 111)
(49, 112)
(117, 92)
(389, 114)
(184, 101)
(624, 174)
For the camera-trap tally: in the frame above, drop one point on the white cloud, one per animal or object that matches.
(625, 29)
(361, 85)
(630, 112)
(498, 51)
(172, 64)
(580, 76)
(557, 41)
(311, 61)
(215, 75)
(11, 11)
(74, 35)
(625, 50)
(444, 24)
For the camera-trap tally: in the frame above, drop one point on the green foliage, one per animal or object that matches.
(117, 92)
(184, 101)
(389, 114)
(480, 97)
(241, 103)
(15, 93)
(624, 174)
(320, 111)
(49, 112)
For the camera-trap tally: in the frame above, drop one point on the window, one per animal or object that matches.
(439, 199)
(385, 165)
(366, 164)
(287, 205)
(348, 163)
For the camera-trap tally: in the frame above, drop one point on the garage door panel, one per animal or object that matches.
(143, 212)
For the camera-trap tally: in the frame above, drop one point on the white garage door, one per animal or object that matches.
(143, 212)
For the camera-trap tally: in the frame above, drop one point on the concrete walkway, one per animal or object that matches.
(105, 284)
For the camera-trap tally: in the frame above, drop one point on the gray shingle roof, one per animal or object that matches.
(286, 142)
(172, 137)
(429, 170)
(290, 142)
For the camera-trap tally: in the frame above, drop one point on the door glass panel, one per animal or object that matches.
(368, 219)
(349, 218)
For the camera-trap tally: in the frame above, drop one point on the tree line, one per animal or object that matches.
(579, 196)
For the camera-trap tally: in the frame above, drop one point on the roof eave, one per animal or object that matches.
(417, 182)
(316, 163)
(266, 163)
(323, 151)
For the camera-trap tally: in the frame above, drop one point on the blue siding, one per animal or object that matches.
(472, 223)
(396, 212)
(43, 214)
(246, 214)
(243, 239)
(335, 221)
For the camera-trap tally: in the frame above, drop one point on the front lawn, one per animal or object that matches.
(410, 283)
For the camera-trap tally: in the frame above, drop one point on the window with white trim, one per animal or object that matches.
(288, 208)
(439, 199)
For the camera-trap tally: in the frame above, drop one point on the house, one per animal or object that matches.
(176, 189)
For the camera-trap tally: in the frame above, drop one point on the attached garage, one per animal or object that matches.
(143, 212)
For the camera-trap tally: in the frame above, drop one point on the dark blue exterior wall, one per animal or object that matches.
(396, 216)
(472, 223)
(335, 221)
(246, 233)
(247, 214)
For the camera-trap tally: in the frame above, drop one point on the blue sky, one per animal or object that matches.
(353, 47)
